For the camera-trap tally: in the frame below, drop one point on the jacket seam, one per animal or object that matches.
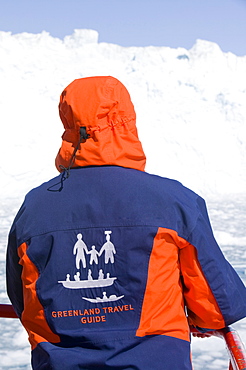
(91, 227)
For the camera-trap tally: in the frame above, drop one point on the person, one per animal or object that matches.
(168, 272)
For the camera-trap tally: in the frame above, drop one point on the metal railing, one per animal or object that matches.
(6, 310)
(234, 344)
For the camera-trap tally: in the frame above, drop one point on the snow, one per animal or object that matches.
(191, 117)
(190, 106)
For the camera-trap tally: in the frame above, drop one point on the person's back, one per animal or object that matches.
(147, 252)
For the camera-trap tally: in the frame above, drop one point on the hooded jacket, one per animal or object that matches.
(110, 271)
(104, 107)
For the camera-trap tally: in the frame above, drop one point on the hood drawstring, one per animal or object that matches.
(83, 136)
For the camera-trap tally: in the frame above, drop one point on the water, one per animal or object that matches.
(228, 218)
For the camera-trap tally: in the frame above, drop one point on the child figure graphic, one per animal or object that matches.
(94, 253)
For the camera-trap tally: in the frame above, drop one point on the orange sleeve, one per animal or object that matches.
(163, 310)
(202, 308)
(33, 317)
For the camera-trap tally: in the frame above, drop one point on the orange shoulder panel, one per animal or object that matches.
(33, 318)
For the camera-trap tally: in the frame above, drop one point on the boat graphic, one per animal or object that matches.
(95, 283)
(111, 298)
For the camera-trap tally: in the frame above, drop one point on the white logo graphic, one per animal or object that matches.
(94, 253)
(80, 250)
(108, 248)
(104, 298)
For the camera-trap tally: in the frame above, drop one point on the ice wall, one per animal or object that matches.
(190, 104)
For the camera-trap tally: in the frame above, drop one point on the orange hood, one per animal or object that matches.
(103, 105)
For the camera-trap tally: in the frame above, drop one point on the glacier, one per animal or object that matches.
(191, 119)
(190, 107)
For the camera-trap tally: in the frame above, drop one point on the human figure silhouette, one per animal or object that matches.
(77, 276)
(80, 248)
(108, 248)
(101, 274)
(90, 275)
(94, 253)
